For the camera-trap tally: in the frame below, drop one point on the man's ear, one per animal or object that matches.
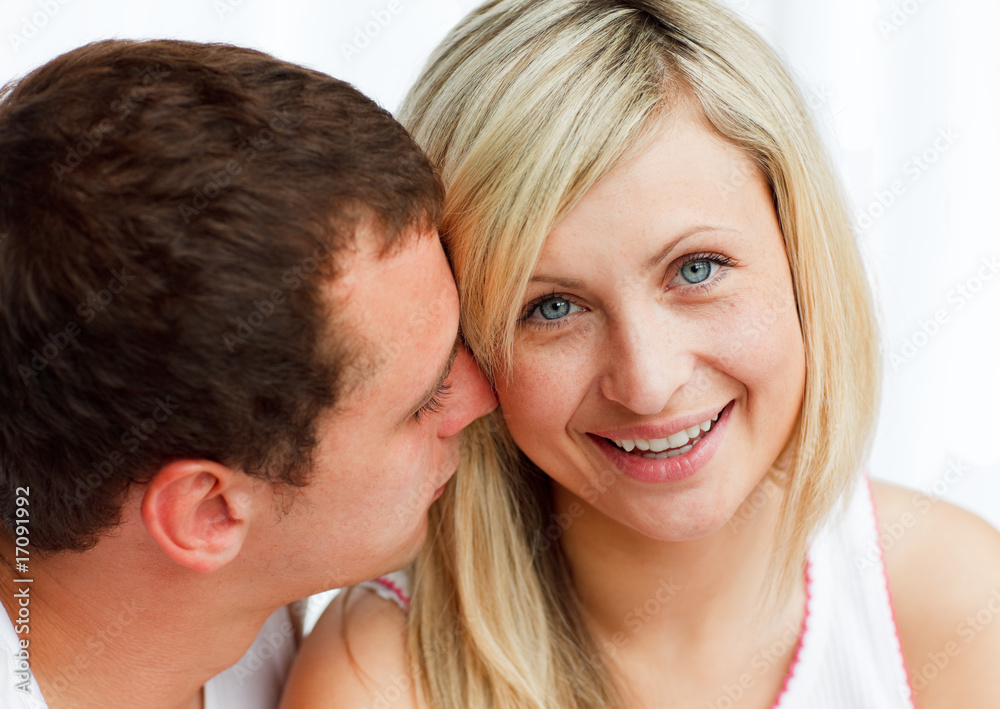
(198, 512)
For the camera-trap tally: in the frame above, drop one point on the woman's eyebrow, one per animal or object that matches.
(649, 264)
(655, 260)
(561, 282)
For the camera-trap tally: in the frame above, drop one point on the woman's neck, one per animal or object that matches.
(675, 596)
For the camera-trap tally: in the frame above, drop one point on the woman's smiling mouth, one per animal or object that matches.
(673, 445)
(669, 458)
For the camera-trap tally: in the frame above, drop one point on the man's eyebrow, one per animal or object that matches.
(445, 371)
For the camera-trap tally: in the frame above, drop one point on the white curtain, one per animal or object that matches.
(907, 94)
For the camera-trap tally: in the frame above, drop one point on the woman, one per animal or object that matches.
(669, 508)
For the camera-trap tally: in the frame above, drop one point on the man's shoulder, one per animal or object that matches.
(355, 656)
(943, 567)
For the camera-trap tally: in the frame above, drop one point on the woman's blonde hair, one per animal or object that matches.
(524, 107)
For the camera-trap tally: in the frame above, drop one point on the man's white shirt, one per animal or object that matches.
(254, 682)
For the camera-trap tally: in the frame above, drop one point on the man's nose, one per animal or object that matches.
(471, 394)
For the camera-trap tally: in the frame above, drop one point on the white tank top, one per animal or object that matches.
(848, 655)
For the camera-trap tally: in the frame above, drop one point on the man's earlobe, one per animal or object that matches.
(198, 512)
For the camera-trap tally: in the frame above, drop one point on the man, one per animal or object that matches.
(229, 367)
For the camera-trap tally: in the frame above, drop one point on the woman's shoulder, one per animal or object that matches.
(355, 656)
(943, 568)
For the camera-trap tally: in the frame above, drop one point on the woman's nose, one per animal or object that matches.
(646, 364)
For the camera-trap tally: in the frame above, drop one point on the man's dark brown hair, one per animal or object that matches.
(169, 213)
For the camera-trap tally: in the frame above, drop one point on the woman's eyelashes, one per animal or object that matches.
(435, 404)
(700, 270)
(703, 270)
(549, 310)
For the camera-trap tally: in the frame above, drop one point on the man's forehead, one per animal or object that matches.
(393, 310)
(368, 365)
(371, 241)
(370, 362)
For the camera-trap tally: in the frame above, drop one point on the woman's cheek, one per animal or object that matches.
(541, 397)
(773, 360)
(763, 322)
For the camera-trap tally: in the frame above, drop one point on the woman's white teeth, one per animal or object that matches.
(668, 447)
(678, 439)
(670, 453)
(659, 444)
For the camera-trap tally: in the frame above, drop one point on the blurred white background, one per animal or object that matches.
(906, 92)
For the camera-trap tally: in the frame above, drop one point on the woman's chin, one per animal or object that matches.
(675, 526)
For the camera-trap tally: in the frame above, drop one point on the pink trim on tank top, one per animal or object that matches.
(388, 583)
(888, 591)
(802, 637)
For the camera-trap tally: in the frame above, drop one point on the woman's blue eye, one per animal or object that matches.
(698, 271)
(702, 270)
(553, 308)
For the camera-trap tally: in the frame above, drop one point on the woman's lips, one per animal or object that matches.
(672, 469)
